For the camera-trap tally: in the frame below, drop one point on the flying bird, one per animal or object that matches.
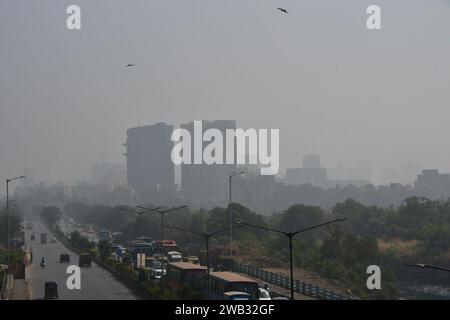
(131, 65)
(283, 10)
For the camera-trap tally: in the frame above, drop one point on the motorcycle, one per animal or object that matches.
(43, 263)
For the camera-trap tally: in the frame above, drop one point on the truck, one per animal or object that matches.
(84, 260)
(51, 290)
(43, 238)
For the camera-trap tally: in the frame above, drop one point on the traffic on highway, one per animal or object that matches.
(50, 259)
(96, 282)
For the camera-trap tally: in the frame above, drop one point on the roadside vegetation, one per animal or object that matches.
(15, 228)
(101, 253)
(418, 231)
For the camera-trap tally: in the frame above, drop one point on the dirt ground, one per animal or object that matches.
(311, 278)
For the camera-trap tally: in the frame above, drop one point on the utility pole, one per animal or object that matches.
(230, 212)
(162, 213)
(290, 235)
(7, 218)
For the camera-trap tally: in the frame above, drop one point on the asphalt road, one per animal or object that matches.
(96, 283)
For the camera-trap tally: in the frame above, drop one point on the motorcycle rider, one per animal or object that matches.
(43, 262)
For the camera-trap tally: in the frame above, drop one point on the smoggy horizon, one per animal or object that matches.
(373, 100)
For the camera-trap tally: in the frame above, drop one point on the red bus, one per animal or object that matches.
(169, 245)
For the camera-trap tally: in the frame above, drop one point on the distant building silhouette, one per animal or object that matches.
(311, 161)
(311, 173)
(110, 174)
(148, 156)
(203, 183)
(433, 184)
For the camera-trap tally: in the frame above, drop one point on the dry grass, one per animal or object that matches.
(311, 278)
(402, 247)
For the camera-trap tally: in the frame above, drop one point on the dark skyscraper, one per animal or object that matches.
(148, 156)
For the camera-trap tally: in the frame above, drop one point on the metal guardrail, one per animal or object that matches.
(284, 282)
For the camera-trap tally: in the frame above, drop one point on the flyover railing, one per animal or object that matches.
(283, 281)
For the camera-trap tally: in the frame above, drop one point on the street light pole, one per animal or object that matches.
(140, 213)
(207, 267)
(7, 217)
(230, 212)
(291, 267)
(163, 250)
(420, 265)
(140, 236)
(162, 212)
(290, 235)
(7, 223)
(230, 217)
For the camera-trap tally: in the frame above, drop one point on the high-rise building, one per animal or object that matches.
(432, 184)
(207, 183)
(311, 173)
(311, 161)
(148, 156)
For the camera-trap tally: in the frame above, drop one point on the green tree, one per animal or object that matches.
(76, 209)
(104, 248)
(51, 214)
(14, 227)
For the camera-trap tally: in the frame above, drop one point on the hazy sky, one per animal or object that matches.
(331, 86)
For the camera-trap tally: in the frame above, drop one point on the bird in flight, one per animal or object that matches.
(131, 65)
(282, 10)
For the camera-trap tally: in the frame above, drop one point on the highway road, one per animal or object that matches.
(96, 283)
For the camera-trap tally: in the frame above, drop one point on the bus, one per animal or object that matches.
(147, 248)
(183, 274)
(174, 256)
(230, 285)
(169, 245)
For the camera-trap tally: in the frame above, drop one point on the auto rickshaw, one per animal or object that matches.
(51, 290)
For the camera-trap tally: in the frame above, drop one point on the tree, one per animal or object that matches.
(14, 227)
(104, 248)
(78, 241)
(76, 209)
(299, 216)
(51, 214)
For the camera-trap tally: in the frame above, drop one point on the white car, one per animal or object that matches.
(264, 294)
(156, 274)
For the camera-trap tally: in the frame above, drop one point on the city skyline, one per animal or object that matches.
(67, 97)
(197, 150)
(156, 136)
